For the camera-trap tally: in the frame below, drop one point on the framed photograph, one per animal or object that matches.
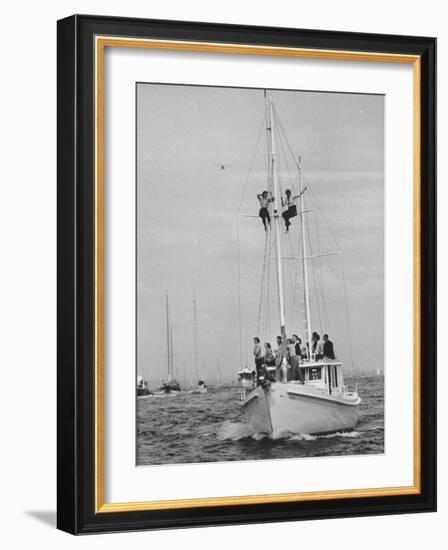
(246, 274)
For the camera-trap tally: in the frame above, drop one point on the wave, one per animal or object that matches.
(353, 434)
(234, 431)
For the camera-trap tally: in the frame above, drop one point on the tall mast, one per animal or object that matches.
(305, 260)
(168, 335)
(195, 319)
(273, 172)
(172, 351)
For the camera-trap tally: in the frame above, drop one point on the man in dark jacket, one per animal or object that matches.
(328, 348)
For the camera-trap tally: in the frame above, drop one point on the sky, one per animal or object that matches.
(196, 222)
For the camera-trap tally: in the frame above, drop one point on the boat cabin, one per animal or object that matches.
(324, 375)
(246, 374)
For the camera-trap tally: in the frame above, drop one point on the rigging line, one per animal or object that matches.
(269, 294)
(262, 285)
(296, 290)
(318, 209)
(266, 293)
(325, 323)
(266, 290)
(263, 123)
(320, 277)
(263, 292)
(316, 204)
(291, 151)
(285, 156)
(302, 294)
(316, 288)
(294, 270)
(284, 139)
(347, 312)
(279, 172)
(239, 287)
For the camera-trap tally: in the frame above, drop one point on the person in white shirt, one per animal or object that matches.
(265, 198)
(320, 349)
(258, 356)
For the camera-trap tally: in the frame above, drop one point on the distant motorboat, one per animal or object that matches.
(142, 386)
(200, 388)
(246, 377)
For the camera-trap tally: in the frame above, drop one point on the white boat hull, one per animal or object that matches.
(298, 409)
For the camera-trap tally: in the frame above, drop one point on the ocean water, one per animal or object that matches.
(183, 428)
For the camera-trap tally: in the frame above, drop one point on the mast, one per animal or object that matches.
(305, 260)
(273, 172)
(195, 319)
(172, 351)
(168, 335)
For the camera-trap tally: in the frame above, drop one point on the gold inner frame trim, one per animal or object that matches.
(101, 42)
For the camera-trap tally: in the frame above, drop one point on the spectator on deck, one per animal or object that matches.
(279, 359)
(328, 348)
(258, 356)
(320, 349)
(269, 359)
(294, 358)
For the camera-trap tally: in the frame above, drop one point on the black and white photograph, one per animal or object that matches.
(260, 274)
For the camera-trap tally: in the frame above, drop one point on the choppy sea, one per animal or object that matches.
(182, 428)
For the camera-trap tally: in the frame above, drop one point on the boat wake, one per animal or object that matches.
(235, 431)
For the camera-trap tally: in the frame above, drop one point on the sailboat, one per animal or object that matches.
(319, 401)
(170, 385)
(201, 386)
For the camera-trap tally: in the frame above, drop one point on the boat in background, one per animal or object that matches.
(200, 388)
(170, 385)
(246, 377)
(319, 401)
(142, 386)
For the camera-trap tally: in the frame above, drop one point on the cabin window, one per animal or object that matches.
(315, 373)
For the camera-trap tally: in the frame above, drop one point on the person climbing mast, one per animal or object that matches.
(265, 198)
(288, 202)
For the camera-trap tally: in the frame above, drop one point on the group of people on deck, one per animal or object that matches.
(288, 203)
(288, 357)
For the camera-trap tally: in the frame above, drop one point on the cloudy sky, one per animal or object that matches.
(187, 221)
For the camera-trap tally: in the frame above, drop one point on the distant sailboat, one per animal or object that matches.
(170, 384)
(320, 402)
(201, 386)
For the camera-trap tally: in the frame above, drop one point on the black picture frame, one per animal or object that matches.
(76, 511)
